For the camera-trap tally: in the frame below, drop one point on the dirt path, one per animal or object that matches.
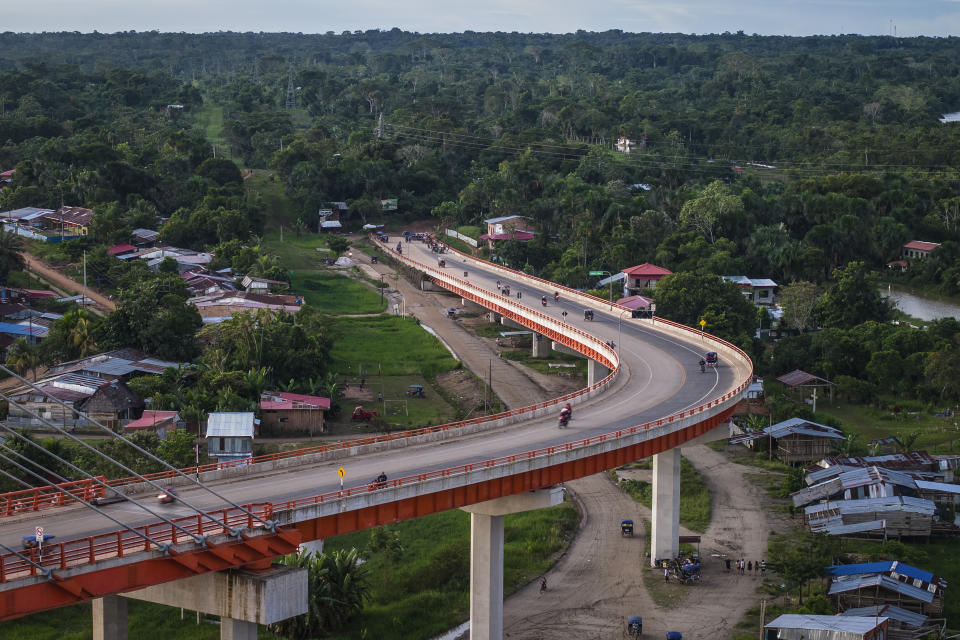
(46, 272)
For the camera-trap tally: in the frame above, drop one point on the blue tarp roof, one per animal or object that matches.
(885, 566)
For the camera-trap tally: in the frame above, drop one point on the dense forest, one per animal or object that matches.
(806, 160)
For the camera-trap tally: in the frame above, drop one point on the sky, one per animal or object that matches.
(765, 17)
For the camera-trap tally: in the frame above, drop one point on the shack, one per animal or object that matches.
(292, 412)
(797, 440)
(797, 626)
(230, 435)
(888, 582)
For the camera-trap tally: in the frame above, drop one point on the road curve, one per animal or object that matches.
(659, 377)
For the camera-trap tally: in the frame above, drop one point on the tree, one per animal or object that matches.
(704, 211)
(687, 298)
(799, 300)
(942, 373)
(11, 254)
(853, 299)
(799, 557)
(22, 358)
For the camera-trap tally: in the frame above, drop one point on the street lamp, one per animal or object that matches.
(381, 288)
(620, 328)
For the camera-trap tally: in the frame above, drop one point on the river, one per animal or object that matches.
(920, 305)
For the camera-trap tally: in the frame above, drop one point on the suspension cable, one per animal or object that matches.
(199, 539)
(269, 525)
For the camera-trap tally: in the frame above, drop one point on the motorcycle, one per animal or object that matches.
(543, 300)
(703, 366)
(556, 297)
(564, 418)
(169, 495)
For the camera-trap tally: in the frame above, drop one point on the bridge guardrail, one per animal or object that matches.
(114, 544)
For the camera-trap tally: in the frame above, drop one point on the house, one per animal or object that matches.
(27, 216)
(506, 228)
(74, 221)
(798, 440)
(160, 422)
(230, 435)
(756, 290)
(282, 411)
(799, 381)
(60, 400)
(120, 249)
(120, 364)
(625, 145)
(887, 582)
(902, 623)
(869, 482)
(112, 404)
(262, 285)
(643, 276)
(895, 516)
(802, 626)
(917, 249)
(6, 177)
(144, 237)
(200, 283)
(221, 306)
(636, 302)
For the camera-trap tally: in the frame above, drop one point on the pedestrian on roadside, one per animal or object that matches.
(756, 567)
(379, 397)
(666, 574)
(749, 566)
(763, 567)
(362, 380)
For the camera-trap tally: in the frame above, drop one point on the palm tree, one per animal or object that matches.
(21, 357)
(11, 254)
(80, 336)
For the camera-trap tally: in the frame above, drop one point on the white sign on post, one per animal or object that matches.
(39, 536)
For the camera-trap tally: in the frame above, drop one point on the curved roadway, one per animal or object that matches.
(659, 376)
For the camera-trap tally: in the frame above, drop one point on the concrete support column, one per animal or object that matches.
(486, 556)
(486, 577)
(231, 629)
(110, 618)
(665, 529)
(493, 316)
(541, 346)
(596, 372)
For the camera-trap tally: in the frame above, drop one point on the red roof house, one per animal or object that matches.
(163, 422)
(120, 249)
(917, 249)
(643, 276)
(282, 411)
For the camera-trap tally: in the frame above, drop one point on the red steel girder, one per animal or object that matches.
(54, 593)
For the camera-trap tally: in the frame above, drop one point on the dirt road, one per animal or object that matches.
(58, 280)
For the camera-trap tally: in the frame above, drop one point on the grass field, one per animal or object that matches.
(209, 119)
(277, 207)
(937, 435)
(424, 592)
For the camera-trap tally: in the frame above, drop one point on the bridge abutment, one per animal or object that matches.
(665, 526)
(486, 556)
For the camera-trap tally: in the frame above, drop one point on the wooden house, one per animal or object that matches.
(292, 412)
(797, 440)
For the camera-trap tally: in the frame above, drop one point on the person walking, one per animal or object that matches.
(666, 574)
(763, 567)
(543, 584)
(756, 567)
(749, 566)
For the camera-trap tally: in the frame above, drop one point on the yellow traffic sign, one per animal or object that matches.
(703, 323)
(341, 472)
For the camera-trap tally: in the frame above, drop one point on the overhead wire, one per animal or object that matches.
(96, 508)
(268, 524)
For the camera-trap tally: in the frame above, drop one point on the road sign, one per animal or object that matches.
(341, 472)
(597, 273)
(39, 537)
(703, 323)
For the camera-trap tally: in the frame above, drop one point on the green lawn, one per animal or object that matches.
(937, 435)
(424, 592)
(209, 119)
(398, 345)
(277, 207)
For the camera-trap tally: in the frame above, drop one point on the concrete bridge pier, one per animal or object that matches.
(665, 525)
(596, 372)
(541, 346)
(486, 556)
(242, 599)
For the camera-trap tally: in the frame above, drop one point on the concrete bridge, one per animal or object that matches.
(646, 396)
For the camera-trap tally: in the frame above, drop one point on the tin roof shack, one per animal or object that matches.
(798, 440)
(230, 435)
(797, 626)
(120, 364)
(292, 412)
(871, 482)
(108, 402)
(896, 516)
(112, 403)
(160, 422)
(901, 624)
(888, 582)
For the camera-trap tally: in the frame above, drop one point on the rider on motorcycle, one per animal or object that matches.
(543, 300)
(703, 365)
(556, 296)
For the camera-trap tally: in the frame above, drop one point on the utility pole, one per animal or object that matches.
(83, 301)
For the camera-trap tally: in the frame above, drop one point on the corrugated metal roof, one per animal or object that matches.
(226, 424)
(798, 378)
(909, 618)
(860, 568)
(853, 583)
(802, 427)
(867, 505)
(835, 527)
(942, 487)
(848, 624)
(818, 476)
